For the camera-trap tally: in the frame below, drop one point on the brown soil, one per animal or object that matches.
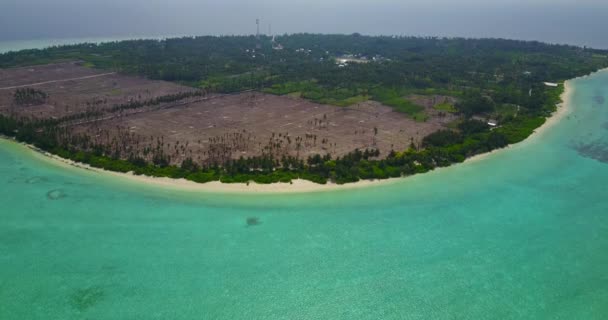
(93, 89)
(213, 127)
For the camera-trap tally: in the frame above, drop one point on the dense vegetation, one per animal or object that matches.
(504, 70)
(492, 78)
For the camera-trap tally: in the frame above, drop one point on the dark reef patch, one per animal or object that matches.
(605, 126)
(599, 99)
(14, 180)
(83, 299)
(109, 269)
(595, 150)
(56, 194)
(253, 221)
(37, 179)
(28, 180)
(16, 237)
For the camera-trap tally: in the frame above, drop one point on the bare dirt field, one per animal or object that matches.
(212, 127)
(251, 123)
(73, 89)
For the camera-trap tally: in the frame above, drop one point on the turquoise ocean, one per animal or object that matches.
(521, 234)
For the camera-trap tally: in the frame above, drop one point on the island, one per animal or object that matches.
(323, 108)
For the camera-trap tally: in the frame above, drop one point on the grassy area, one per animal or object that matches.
(395, 98)
(296, 94)
(505, 111)
(115, 92)
(290, 87)
(342, 97)
(89, 64)
(446, 107)
(455, 125)
(553, 99)
(349, 101)
(436, 91)
(521, 128)
(420, 116)
(403, 105)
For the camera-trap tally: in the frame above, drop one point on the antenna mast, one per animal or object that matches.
(257, 35)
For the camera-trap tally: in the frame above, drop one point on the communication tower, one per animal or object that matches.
(258, 45)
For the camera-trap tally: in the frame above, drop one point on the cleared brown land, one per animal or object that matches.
(43, 73)
(75, 89)
(213, 127)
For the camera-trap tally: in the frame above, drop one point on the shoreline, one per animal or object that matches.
(298, 185)
(562, 110)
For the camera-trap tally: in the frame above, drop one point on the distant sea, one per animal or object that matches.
(521, 234)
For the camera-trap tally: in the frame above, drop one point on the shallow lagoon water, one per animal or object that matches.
(522, 234)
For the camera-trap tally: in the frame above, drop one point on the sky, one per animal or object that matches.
(579, 22)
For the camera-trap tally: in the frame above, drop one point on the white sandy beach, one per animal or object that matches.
(297, 186)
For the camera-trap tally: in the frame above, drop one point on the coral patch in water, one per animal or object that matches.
(596, 150)
(56, 194)
(83, 299)
(253, 221)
